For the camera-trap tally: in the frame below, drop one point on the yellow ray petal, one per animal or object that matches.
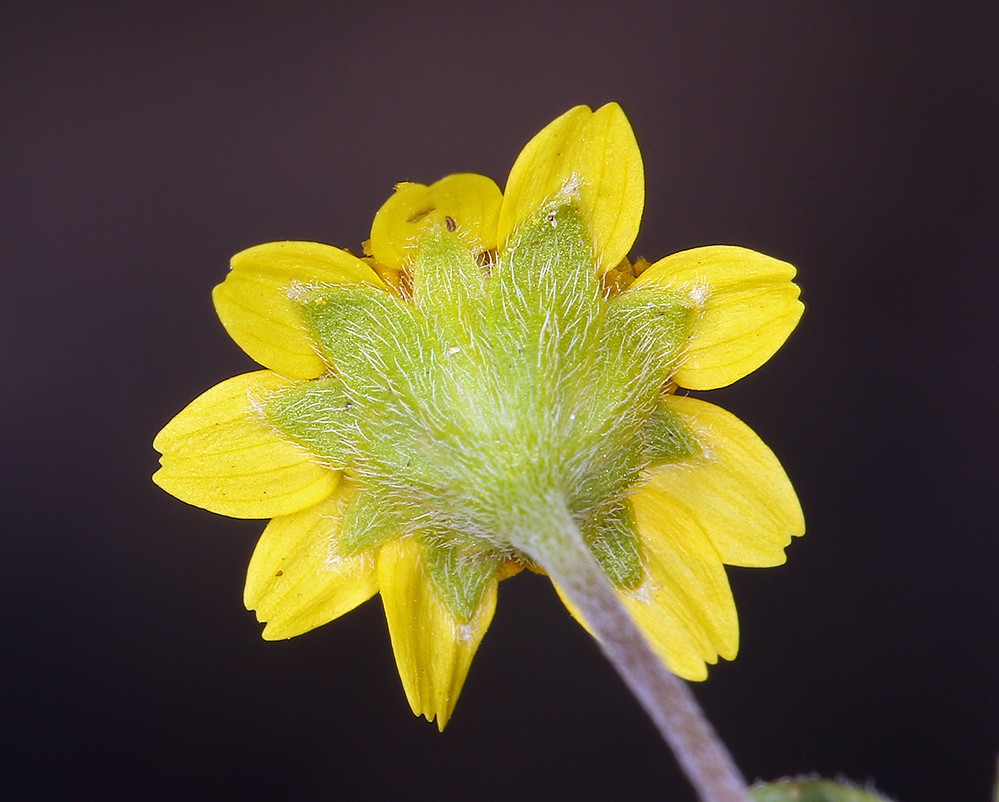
(255, 302)
(684, 604)
(297, 580)
(687, 579)
(432, 649)
(471, 201)
(735, 488)
(747, 306)
(219, 454)
(595, 152)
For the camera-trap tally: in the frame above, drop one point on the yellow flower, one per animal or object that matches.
(420, 406)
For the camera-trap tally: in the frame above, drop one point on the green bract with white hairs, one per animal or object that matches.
(497, 386)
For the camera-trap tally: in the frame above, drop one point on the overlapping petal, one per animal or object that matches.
(298, 580)
(219, 454)
(256, 302)
(684, 604)
(735, 489)
(594, 153)
(747, 305)
(432, 649)
(685, 607)
(471, 201)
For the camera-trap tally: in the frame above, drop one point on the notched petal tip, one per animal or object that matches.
(256, 302)
(219, 454)
(298, 579)
(746, 305)
(734, 487)
(433, 650)
(593, 155)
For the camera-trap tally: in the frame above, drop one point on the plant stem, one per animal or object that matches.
(557, 545)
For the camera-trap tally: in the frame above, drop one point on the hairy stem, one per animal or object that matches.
(559, 548)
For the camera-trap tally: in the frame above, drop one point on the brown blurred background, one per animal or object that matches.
(143, 144)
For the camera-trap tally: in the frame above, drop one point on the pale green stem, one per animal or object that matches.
(558, 546)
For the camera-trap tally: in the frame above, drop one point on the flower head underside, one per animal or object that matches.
(421, 406)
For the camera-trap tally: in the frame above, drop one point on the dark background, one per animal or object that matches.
(143, 144)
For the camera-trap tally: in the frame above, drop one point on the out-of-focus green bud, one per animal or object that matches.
(812, 790)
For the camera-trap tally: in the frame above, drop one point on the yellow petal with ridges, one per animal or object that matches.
(735, 488)
(297, 580)
(594, 154)
(432, 649)
(747, 305)
(256, 301)
(684, 605)
(471, 201)
(686, 580)
(220, 454)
